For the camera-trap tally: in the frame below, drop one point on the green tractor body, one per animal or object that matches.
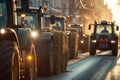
(46, 41)
(16, 44)
(104, 38)
(83, 38)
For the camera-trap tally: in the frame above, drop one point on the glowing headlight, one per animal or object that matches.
(34, 34)
(112, 41)
(2, 31)
(94, 41)
(68, 32)
(84, 35)
(82, 41)
(69, 25)
(29, 57)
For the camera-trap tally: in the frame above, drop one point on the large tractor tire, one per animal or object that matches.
(92, 49)
(44, 49)
(73, 45)
(61, 51)
(33, 63)
(84, 47)
(73, 42)
(66, 53)
(58, 52)
(115, 50)
(29, 71)
(65, 59)
(30, 65)
(9, 61)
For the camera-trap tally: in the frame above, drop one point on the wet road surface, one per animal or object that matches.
(102, 66)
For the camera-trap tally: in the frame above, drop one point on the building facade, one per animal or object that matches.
(53, 6)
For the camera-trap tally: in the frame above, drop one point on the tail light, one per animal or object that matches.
(103, 38)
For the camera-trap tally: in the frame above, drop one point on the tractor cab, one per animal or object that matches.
(30, 20)
(55, 22)
(83, 38)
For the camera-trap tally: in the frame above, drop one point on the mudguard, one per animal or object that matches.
(44, 50)
(9, 34)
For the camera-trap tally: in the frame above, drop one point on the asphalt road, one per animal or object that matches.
(103, 66)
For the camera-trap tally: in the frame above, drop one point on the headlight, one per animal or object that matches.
(2, 31)
(68, 32)
(82, 41)
(94, 41)
(34, 34)
(112, 41)
(69, 25)
(84, 35)
(29, 57)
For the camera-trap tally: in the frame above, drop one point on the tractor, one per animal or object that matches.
(18, 55)
(83, 38)
(56, 25)
(104, 37)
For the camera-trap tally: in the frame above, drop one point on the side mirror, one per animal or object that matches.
(117, 28)
(89, 26)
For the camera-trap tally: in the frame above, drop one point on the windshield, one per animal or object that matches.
(2, 13)
(77, 26)
(101, 28)
(59, 23)
(31, 21)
